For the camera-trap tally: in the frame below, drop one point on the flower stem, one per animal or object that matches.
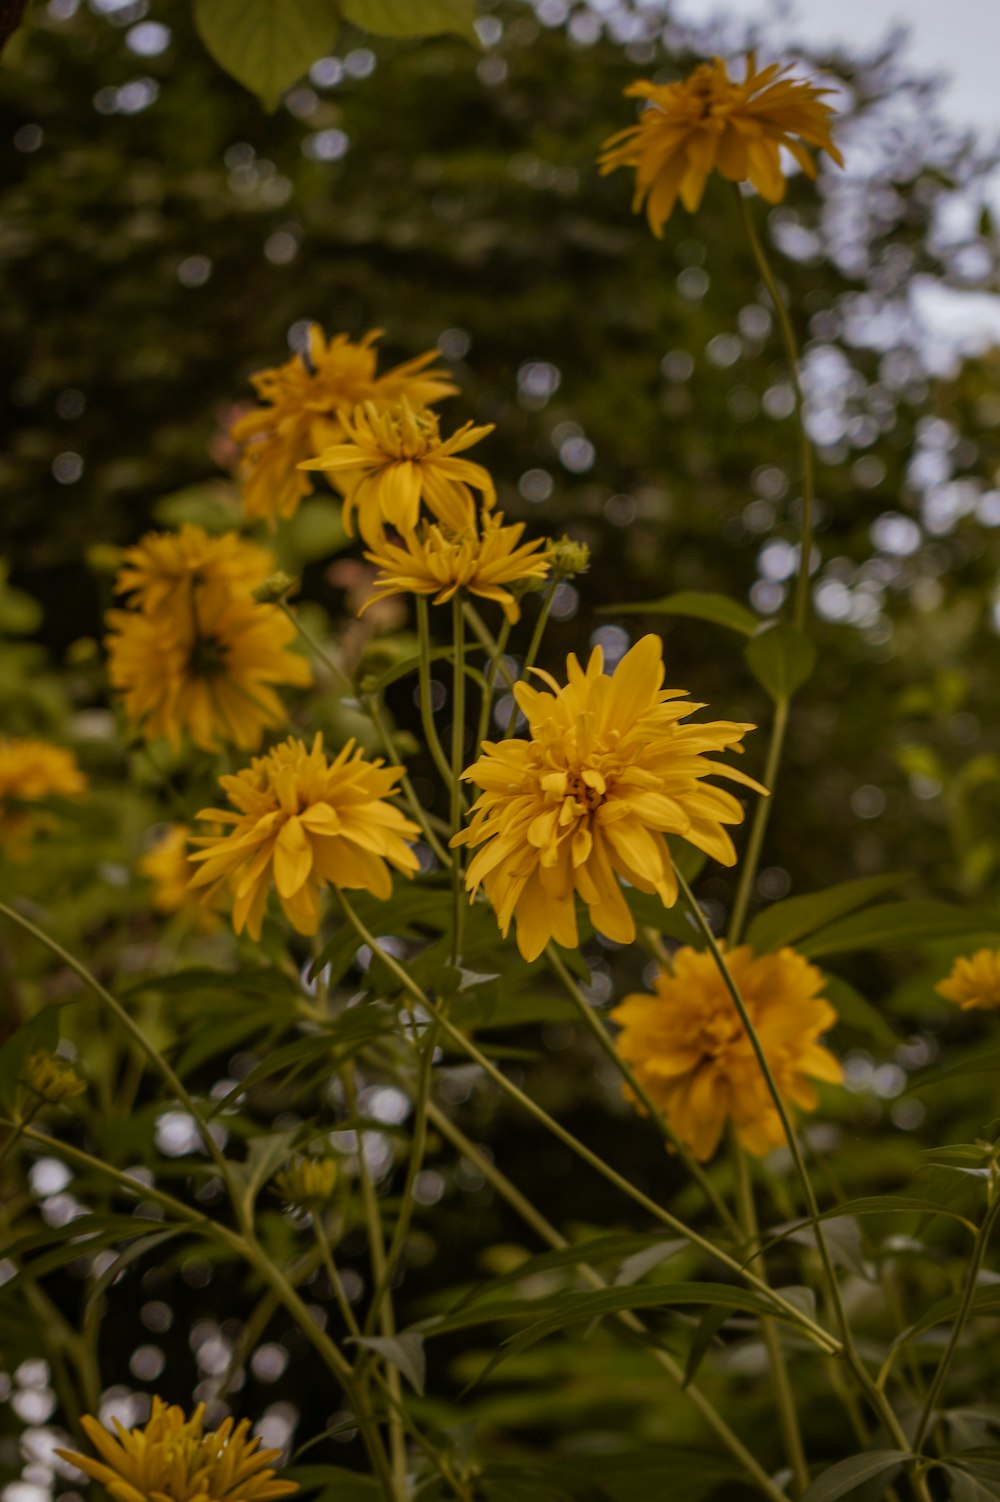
(553, 1238)
(413, 803)
(788, 1417)
(426, 709)
(788, 1310)
(345, 687)
(607, 1045)
(457, 768)
(496, 648)
(533, 646)
(758, 827)
(801, 603)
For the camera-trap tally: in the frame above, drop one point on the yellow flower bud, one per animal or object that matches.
(568, 557)
(50, 1079)
(307, 1182)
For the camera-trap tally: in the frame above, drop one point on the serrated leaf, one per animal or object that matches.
(720, 610)
(844, 1477)
(413, 18)
(781, 658)
(266, 45)
(894, 923)
(788, 921)
(406, 1352)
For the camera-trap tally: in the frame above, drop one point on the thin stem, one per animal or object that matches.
(607, 1045)
(496, 649)
(758, 826)
(801, 606)
(330, 1268)
(553, 1238)
(344, 685)
(815, 1331)
(457, 768)
(944, 1365)
(138, 1036)
(535, 643)
(788, 1418)
(424, 679)
(416, 808)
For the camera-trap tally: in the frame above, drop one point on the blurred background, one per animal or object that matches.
(163, 237)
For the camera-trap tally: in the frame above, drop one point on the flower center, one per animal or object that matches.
(587, 793)
(208, 657)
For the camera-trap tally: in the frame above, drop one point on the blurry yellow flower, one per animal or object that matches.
(31, 772)
(307, 1182)
(206, 672)
(711, 123)
(388, 461)
(607, 771)
(974, 981)
(164, 568)
(52, 1080)
(302, 823)
(167, 866)
(435, 561)
(688, 1048)
(304, 400)
(172, 1459)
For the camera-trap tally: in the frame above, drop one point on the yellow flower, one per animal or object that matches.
(172, 1459)
(607, 771)
(164, 567)
(711, 123)
(31, 772)
(50, 1079)
(304, 401)
(307, 1182)
(166, 866)
(390, 460)
(974, 981)
(303, 822)
(435, 561)
(206, 672)
(688, 1048)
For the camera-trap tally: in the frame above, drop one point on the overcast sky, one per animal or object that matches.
(959, 38)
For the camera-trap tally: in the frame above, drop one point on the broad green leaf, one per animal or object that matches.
(720, 610)
(788, 921)
(413, 18)
(874, 1204)
(40, 1032)
(614, 1247)
(266, 44)
(892, 923)
(334, 1481)
(985, 1300)
(406, 1352)
(974, 1475)
(708, 1328)
(855, 1011)
(847, 1475)
(982, 1061)
(781, 658)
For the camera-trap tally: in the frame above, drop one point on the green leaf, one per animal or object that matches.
(847, 1475)
(854, 1011)
(41, 1032)
(974, 1474)
(781, 658)
(266, 44)
(613, 1247)
(335, 1482)
(985, 1300)
(709, 1326)
(265, 1155)
(406, 1352)
(720, 610)
(413, 18)
(785, 922)
(892, 923)
(874, 1204)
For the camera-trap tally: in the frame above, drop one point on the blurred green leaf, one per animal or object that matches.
(720, 610)
(267, 45)
(412, 18)
(844, 1477)
(788, 921)
(781, 658)
(406, 1352)
(894, 923)
(38, 1033)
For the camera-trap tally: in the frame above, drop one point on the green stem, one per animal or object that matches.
(138, 1036)
(416, 808)
(758, 827)
(801, 605)
(553, 1238)
(330, 1268)
(788, 1310)
(457, 768)
(535, 643)
(607, 1045)
(496, 649)
(788, 1418)
(424, 678)
(345, 687)
(944, 1365)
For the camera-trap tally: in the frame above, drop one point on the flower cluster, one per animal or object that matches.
(608, 770)
(304, 404)
(303, 822)
(172, 1459)
(691, 1054)
(31, 773)
(195, 654)
(709, 122)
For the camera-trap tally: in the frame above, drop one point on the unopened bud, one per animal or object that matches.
(307, 1182)
(275, 589)
(568, 557)
(50, 1079)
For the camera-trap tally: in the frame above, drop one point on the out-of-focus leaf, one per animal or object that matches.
(720, 610)
(124, 1259)
(333, 1482)
(38, 1033)
(404, 1351)
(708, 1328)
(853, 1010)
(266, 44)
(895, 923)
(844, 1477)
(875, 1204)
(781, 659)
(265, 1155)
(788, 921)
(412, 18)
(91, 1235)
